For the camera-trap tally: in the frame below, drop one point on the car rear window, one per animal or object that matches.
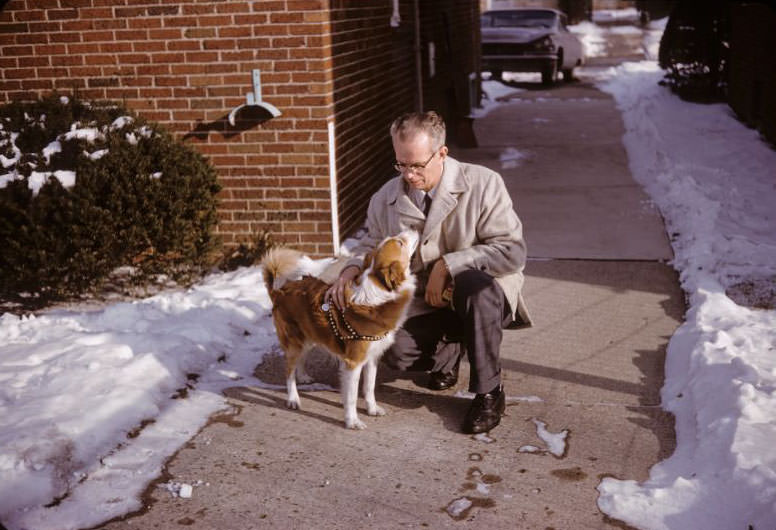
(527, 18)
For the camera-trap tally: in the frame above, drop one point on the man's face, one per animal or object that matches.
(415, 151)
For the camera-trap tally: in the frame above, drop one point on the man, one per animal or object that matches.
(469, 264)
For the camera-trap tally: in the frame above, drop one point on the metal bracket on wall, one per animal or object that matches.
(253, 99)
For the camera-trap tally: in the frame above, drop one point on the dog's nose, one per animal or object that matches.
(411, 238)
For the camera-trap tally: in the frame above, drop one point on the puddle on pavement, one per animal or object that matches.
(228, 417)
(571, 474)
(478, 483)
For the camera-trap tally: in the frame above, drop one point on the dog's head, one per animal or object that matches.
(388, 265)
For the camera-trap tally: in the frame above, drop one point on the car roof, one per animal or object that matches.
(556, 11)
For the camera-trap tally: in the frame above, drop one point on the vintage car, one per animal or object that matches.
(529, 40)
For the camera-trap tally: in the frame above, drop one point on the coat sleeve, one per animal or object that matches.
(499, 247)
(376, 228)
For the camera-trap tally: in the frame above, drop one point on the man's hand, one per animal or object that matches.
(336, 293)
(437, 282)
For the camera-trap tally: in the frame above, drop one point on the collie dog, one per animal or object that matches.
(357, 334)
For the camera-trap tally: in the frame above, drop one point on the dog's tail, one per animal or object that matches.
(279, 266)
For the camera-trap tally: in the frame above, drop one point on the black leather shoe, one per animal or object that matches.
(442, 380)
(485, 412)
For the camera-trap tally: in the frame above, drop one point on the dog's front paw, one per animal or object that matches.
(375, 410)
(293, 404)
(355, 424)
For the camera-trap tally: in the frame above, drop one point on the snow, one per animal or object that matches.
(458, 506)
(511, 157)
(50, 149)
(87, 414)
(492, 92)
(121, 122)
(90, 134)
(77, 131)
(592, 36)
(595, 38)
(17, 154)
(713, 180)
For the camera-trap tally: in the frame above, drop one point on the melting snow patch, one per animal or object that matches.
(50, 149)
(524, 399)
(483, 437)
(180, 489)
(37, 179)
(121, 122)
(458, 506)
(8, 177)
(510, 158)
(556, 442)
(509, 399)
(90, 134)
(529, 449)
(98, 154)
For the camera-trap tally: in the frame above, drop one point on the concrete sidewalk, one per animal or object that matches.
(592, 366)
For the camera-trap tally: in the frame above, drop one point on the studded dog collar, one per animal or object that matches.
(352, 333)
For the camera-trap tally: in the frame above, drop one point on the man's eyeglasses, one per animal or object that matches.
(402, 168)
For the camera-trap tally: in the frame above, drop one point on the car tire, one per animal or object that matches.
(568, 75)
(549, 73)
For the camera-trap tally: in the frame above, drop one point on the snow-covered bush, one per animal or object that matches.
(86, 188)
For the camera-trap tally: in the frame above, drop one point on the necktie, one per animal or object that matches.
(426, 204)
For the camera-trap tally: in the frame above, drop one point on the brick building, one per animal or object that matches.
(337, 70)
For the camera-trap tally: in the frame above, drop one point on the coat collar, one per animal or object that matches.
(445, 200)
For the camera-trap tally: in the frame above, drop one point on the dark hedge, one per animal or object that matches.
(149, 201)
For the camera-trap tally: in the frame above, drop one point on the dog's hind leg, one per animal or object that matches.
(349, 390)
(370, 376)
(292, 360)
(302, 377)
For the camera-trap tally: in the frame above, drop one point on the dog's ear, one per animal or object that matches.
(370, 256)
(367, 263)
(391, 276)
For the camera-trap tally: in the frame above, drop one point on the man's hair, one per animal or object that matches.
(408, 125)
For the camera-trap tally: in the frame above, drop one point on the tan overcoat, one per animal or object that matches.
(471, 224)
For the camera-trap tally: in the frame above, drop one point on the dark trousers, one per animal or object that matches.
(436, 340)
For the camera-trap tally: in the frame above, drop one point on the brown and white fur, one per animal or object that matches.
(376, 305)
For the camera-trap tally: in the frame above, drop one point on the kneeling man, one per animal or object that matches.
(469, 263)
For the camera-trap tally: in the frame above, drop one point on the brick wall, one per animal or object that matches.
(374, 81)
(188, 63)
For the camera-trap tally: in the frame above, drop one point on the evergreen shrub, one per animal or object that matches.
(694, 50)
(86, 188)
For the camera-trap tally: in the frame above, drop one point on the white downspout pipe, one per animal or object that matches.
(335, 235)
